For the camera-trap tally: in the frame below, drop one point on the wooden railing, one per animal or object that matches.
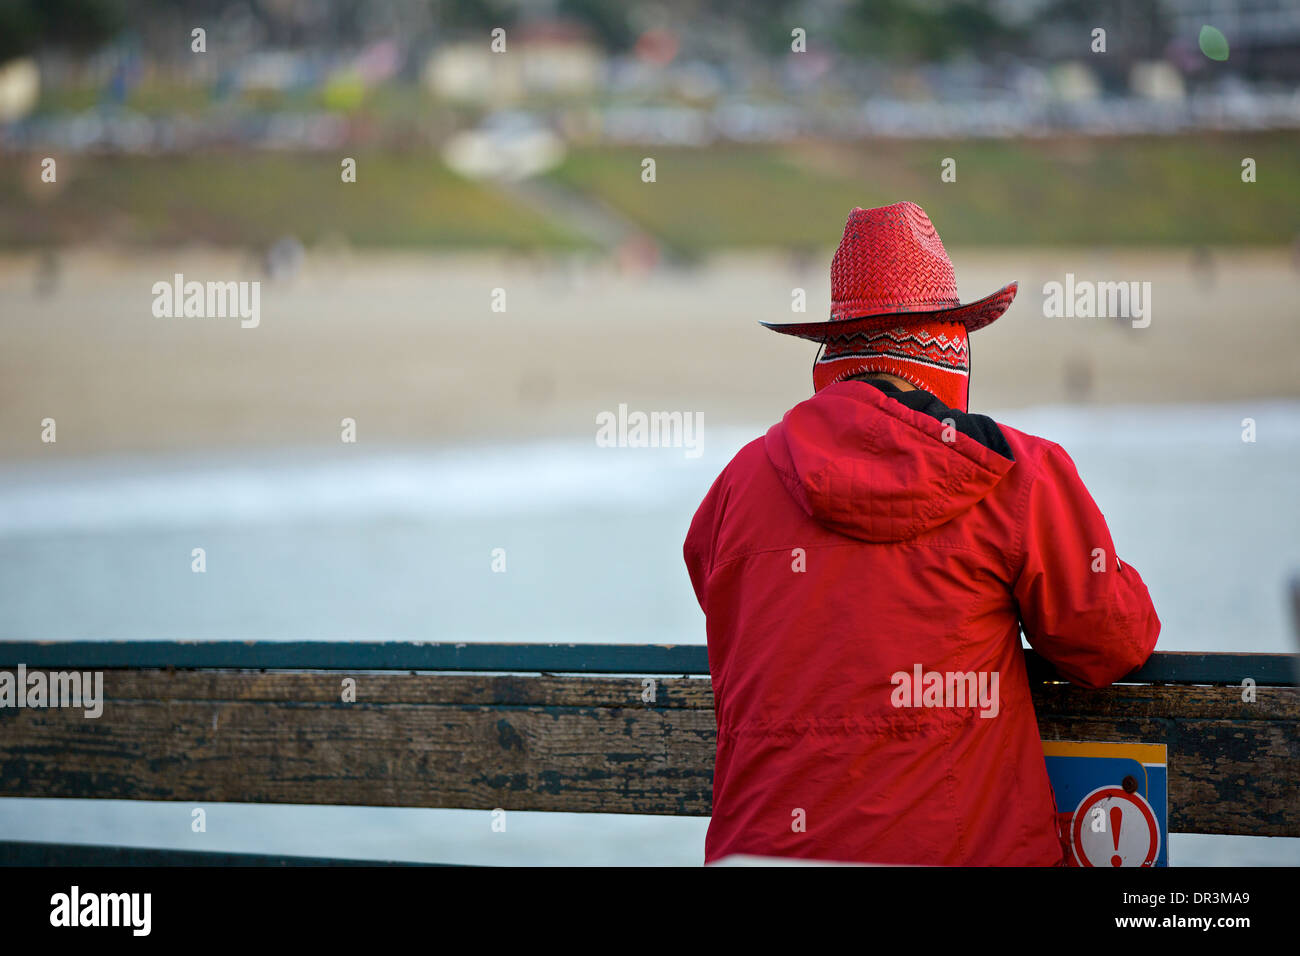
(576, 727)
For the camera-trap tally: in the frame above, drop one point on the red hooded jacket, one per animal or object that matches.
(860, 547)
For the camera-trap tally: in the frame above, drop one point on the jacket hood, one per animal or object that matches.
(868, 466)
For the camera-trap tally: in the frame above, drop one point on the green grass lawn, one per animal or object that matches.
(398, 200)
(1178, 190)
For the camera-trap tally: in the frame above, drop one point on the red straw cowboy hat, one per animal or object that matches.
(894, 306)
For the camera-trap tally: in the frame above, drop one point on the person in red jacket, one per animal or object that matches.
(866, 569)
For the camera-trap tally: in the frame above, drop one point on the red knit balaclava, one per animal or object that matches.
(934, 356)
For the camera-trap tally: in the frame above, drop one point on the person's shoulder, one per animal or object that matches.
(1033, 450)
(752, 454)
(1032, 444)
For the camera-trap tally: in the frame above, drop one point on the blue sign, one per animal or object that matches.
(1112, 801)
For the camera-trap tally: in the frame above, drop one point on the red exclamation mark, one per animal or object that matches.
(1116, 818)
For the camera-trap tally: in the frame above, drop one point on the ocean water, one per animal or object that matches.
(375, 544)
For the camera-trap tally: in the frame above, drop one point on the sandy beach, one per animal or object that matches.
(408, 345)
(306, 539)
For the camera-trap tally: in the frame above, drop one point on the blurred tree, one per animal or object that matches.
(606, 18)
(1135, 28)
(456, 15)
(28, 25)
(923, 31)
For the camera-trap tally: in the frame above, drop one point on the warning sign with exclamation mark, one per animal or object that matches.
(1111, 801)
(1113, 827)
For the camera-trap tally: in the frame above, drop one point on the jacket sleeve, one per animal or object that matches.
(700, 541)
(1081, 608)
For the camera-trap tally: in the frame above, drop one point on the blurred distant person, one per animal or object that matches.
(1078, 378)
(1203, 267)
(284, 258)
(865, 570)
(49, 270)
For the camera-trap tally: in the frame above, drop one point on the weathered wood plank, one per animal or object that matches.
(1181, 703)
(602, 759)
(1270, 703)
(561, 743)
(388, 688)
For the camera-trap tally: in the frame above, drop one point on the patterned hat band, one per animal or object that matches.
(934, 357)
